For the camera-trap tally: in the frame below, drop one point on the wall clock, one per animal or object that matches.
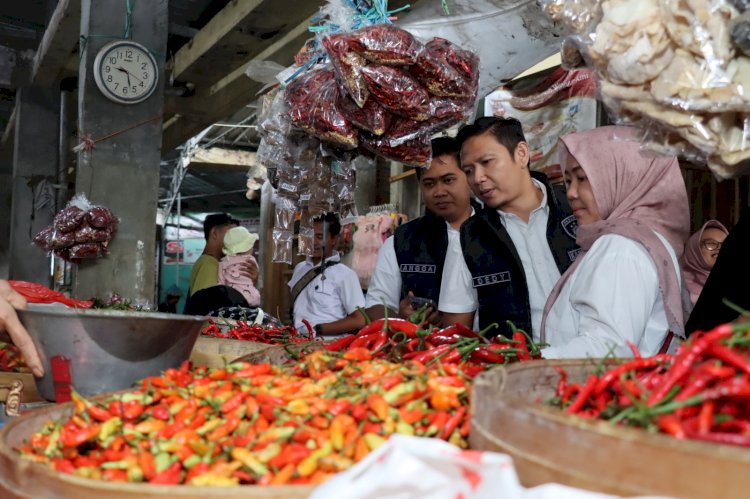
(126, 72)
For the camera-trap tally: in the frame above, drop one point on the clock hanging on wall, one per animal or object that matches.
(126, 72)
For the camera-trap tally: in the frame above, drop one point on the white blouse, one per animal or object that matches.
(612, 297)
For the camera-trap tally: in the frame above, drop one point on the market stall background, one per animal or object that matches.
(209, 116)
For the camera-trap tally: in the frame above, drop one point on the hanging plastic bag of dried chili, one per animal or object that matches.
(446, 70)
(312, 107)
(397, 91)
(372, 117)
(348, 65)
(386, 44)
(415, 152)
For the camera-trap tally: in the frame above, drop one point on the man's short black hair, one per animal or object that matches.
(443, 146)
(507, 131)
(332, 222)
(217, 220)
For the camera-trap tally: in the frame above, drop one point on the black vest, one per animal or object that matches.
(421, 246)
(496, 269)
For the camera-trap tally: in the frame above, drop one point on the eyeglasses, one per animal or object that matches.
(710, 244)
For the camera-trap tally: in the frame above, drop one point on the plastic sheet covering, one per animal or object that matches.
(508, 36)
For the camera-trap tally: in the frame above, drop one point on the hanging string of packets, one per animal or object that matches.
(359, 14)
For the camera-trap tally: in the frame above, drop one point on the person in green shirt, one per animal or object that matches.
(205, 273)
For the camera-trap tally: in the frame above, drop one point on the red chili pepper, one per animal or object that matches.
(562, 382)
(380, 340)
(429, 355)
(583, 395)
(310, 332)
(453, 422)
(341, 343)
(683, 363)
(170, 476)
(98, 413)
(614, 374)
(728, 356)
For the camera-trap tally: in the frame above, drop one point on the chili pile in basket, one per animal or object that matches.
(262, 334)
(255, 424)
(399, 339)
(701, 392)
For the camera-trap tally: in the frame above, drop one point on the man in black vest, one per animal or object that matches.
(518, 245)
(409, 267)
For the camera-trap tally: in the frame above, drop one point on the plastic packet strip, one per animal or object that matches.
(314, 108)
(386, 44)
(348, 66)
(284, 213)
(348, 213)
(416, 152)
(397, 91)
(372, 117)
(306, 241)
(283, 246)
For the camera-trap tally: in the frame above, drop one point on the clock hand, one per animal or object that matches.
(127, 73)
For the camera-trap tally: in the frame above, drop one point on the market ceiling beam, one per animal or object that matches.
(215, 34)
(59, 41)
(234, 90)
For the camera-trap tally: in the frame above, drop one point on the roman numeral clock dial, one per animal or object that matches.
(126, 72)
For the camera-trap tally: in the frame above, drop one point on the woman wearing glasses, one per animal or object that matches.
(700, 255)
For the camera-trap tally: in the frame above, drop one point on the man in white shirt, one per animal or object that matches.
(328, 295)
(518, 245)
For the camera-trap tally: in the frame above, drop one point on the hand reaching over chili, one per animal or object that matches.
(9, 302)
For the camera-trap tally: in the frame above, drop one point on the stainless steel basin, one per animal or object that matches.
(108, 349)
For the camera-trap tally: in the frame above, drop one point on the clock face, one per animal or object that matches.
(125, 72)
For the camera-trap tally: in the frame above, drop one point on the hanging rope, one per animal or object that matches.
(88, 142)
(128, 19)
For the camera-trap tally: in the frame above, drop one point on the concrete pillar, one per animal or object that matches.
(121, 172)
(34, 173)
(6, 199)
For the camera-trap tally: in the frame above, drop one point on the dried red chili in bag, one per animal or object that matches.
(101, 217)
(415, 152)
(44, 239)
(447, 71)
(61, 240)
(313, 109)
(372, 117)
(348, 66)
(386, 44)
(88, 234)
(86, 250)
(397, 91)
(69, 218)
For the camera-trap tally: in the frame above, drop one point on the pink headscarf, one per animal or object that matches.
(637, 193)
(695, 270)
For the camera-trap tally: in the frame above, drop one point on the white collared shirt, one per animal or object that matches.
(530, 240)
(612, 297)
(385, 283)
(326, 300)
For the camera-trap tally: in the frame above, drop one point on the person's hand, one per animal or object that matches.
(406, 310)
(249, 269)
(9, 301)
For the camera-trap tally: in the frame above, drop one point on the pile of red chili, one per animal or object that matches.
(702, 392)
(457, 344)
(255, 424)
(11, 359)
(261, 334)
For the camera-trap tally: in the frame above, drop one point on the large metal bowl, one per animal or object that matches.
(108, 349)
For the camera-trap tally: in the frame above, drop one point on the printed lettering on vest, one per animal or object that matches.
(573, 254)
(486, 280)
(570, 226)
(416, 268)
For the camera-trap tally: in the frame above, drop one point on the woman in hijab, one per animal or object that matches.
(700, 255)
(624, 287)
